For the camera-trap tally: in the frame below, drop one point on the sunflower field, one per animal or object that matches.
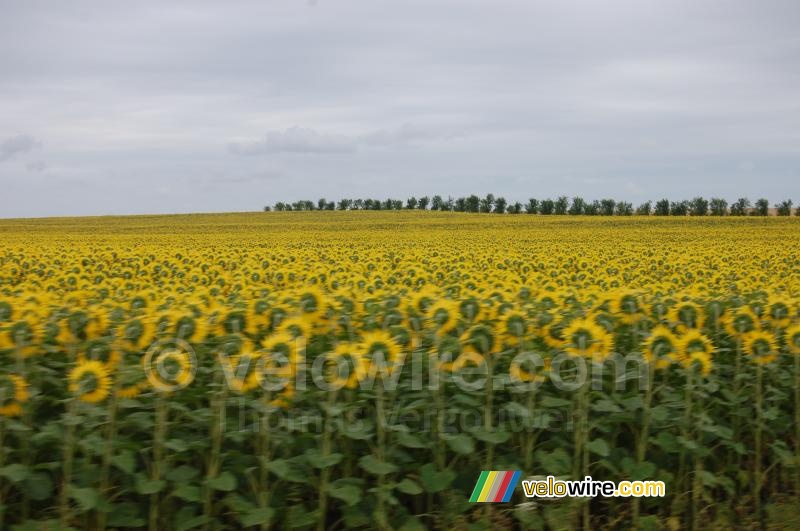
(336, 370)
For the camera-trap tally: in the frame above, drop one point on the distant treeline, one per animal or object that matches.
(577, 206)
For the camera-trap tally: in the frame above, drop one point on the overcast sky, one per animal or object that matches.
(168, 106)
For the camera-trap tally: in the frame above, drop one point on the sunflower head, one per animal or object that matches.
(513, 326)
(379, 343)
(89, 381)
(443, 316)
(13, 393)
(628, 307)
(760, 346)
(584, 337)
(686, 315)
(662, 347)
(741, 322)
(481, 337)
(778, 312)
(696, 350)
(793, 339)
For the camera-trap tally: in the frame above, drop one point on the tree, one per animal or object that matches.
(516, 208)
(267, 208)
(592, 209)
(562, 203)
(662, 207)
(624, 208)
(679, 208)
(500, 205)
(411, 203)
(473, 203)
(784, 208)
(719, 207)
(358, 204)
(280, 206)
(487, 203)
(423, 202)
(762, 208)
(547, 206)
(740, 207)
(607, 207)
(460, 204)
(321, 203)
(578, 206)
(645, 209)
(437, 203)
(330, 205)
(448, 206)
(698, 206)
(532, 207)
(344, 204)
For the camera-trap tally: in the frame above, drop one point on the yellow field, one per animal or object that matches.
(237, 303)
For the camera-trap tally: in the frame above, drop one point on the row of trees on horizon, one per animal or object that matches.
(577, 206)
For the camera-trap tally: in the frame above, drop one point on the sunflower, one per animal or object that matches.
(421, 300)
(447, 351)
(290, 348)
(686, 315)
(761, 346)
(356, 372)
(14, 393)
(89, 381)
(284, 399)
(513, 326)
(662, 347)
(244, 371)
(98, 325)
(444, 316)
(174, 368)
(5, 339)
(696, 348)
(778, 312)
(470, 310)
(190, 327)
(468, 356)
(793, 339)
(102, 351)
(131, 391)
(379, 341)
(312, 303)
(139, 332)
(741, 322)
(658, 311)
(519, 374)
(584, 337)
(297, 326)
(628, 307)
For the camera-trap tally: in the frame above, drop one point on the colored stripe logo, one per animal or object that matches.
(495, 486)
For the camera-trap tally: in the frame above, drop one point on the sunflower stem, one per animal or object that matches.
(326, 470)
(797, 425)
(758, 434)
(264, 450)
(159, 438)
(644, 434)
(69, 450)
(215, 461)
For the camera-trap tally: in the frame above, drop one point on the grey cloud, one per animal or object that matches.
(37, 166)
(295, 140)
(15, 145)
(306, 140)
(624, 98)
